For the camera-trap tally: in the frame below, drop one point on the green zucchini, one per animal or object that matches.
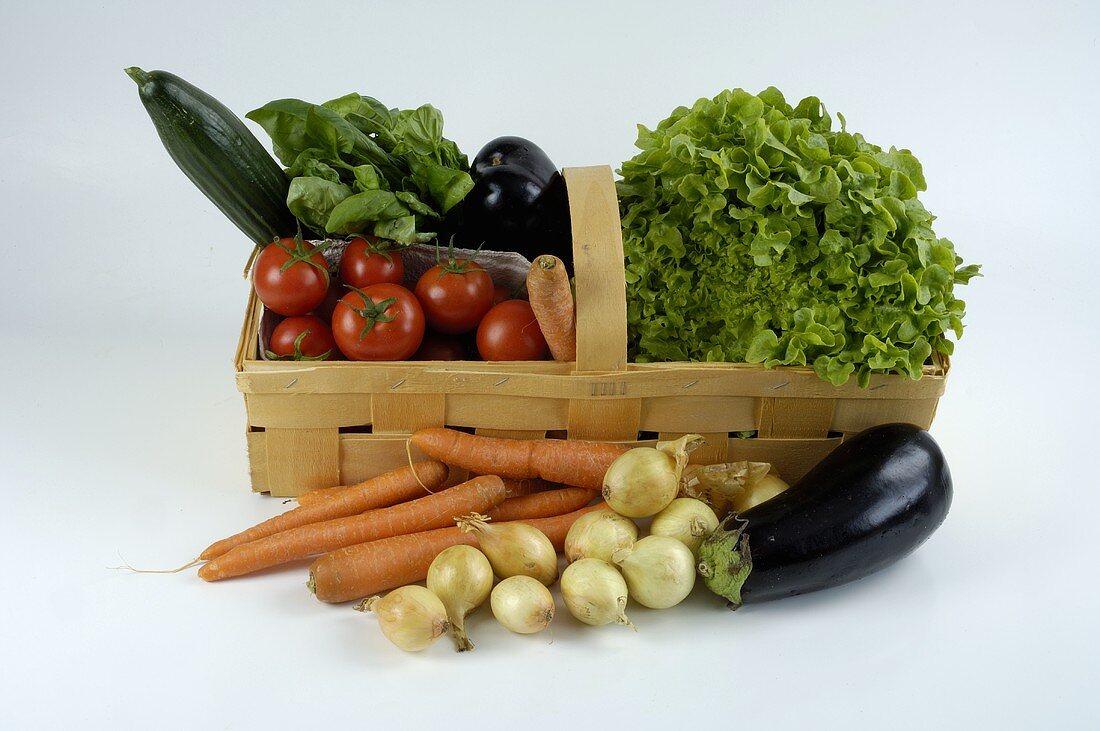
(218, 154)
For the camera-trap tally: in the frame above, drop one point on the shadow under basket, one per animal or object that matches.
(318, 424)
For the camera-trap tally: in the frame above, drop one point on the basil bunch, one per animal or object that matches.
(755, 232)
(360, 167)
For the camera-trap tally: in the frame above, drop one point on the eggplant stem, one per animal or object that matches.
(725, 561)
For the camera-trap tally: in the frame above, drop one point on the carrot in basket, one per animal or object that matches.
(434, 511)
(552, 302)
(512, 487)
(572, 462)
(390, 488)
(542, 504)
(368, 568)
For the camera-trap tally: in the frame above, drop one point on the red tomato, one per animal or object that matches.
(455, 295)
(305, 337)
(510, 332)
(440, 347)
(501, 293)
(379, 322)
(291, 277)
(365, 262)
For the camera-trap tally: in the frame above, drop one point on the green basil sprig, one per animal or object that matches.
(360, 167)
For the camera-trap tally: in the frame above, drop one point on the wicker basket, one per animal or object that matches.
(320, 424)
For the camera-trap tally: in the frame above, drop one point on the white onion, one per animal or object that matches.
(763, 489)
(410, 617)
(659, 571)
(462, 578)
(598, 535)
(644, 480)
(594, 592)
(687, 520)
(514, 549)
(641, 482)
(522, 604)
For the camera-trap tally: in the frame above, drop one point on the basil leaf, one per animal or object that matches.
(285, 121)
(355, 212)
(367, 178)
(402, 230)
(416, 205)
(421, 132)
(357, 165)
(311, 163)
(313, 199)
(445, 186)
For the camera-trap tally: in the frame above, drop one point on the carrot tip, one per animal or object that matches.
(127, 567)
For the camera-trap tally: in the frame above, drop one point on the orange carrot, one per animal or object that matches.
(321, 493)
(542, 504)
(572, 462)
(552, 302)
(556, 526)
(520, 486)
(513, 488)
(433, 511)
(387, 489)
(368, 568)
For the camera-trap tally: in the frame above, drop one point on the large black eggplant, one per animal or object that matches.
(518, 203)
(871, 501)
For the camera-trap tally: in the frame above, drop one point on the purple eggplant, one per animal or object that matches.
(518, 203)
(870, 502)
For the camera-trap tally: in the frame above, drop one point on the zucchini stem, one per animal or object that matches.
(135, 73)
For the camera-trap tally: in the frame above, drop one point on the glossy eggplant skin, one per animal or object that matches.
(513, 151)
(518, 203)
(870, 502)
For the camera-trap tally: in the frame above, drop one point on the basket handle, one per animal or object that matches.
(598, 268)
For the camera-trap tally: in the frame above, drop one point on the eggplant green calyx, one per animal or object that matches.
(725, 561)
(371, 311)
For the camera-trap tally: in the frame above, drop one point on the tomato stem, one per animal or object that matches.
(304, 254)
(374, 247)
(298, 354)
(453, 265)
(371, 311)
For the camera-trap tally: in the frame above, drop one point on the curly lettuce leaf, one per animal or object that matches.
(755, 232)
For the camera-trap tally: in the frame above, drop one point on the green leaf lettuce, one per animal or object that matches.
(756, 232)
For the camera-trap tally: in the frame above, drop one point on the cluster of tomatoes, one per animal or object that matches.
(367, 313)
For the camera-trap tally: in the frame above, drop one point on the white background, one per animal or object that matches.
(122, 432)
